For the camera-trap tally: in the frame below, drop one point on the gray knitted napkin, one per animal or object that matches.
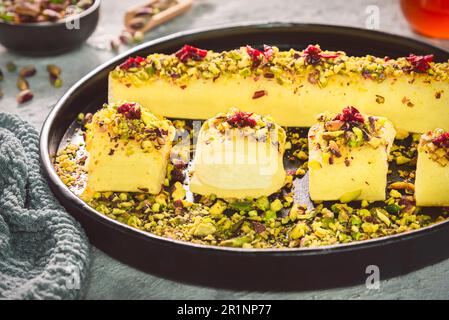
(44, 253)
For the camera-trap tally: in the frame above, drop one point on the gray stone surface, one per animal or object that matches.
(111, 279)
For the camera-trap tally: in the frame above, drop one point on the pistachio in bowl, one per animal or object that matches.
(46, 27)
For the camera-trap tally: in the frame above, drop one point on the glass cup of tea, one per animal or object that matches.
(428, 17)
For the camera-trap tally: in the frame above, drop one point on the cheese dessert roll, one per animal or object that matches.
(239, 155)
(348, 156)
(292, 86)
(432, 171)
(128, 149)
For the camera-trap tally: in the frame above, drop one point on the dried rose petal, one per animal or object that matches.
(258, 56)
(442, 140)
(132, 63)
(313, 55)
(254, 53)
(130, 110)
(125, 107)
(24, 96)
(259, 94)
(242, 119)
(349, 114)
(420, 63)
(27, 71)
(188, 52)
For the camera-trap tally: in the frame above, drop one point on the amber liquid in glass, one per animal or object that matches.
(428, 17)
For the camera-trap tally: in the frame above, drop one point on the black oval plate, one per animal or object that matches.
(262, 269)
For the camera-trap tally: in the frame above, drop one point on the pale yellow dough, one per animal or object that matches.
(128, 168)
(431, 182)
(233, 166)
(409, 106)
(365, 178)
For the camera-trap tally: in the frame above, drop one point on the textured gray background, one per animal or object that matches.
(111, 279)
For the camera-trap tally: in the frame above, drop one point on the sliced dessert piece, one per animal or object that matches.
(432, 171)
(239, 155)
(128, 149)
(292, 86)
(348, 156)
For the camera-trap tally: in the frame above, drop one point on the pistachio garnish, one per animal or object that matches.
(333, 125)
(51, 15)
(126, 37)
(27, 71)
(22, 84)
(11, 67)
(55, 73)
(54, 70)
(84, 4)
(24, 96)
(138, 36)
(27, 8)
(334, 149)
(56, 82)
(115, 45)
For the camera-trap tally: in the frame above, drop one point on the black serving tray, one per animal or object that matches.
(259, 269)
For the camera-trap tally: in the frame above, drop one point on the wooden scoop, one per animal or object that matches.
(153, 13)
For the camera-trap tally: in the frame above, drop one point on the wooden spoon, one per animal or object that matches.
(153, 13)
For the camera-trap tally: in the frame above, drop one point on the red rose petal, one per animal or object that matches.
(313, 55)
(442, 140)
(188, 52)
(242, 119)
(132, 63)
(130, 110)
(420, 63)
(350, 114)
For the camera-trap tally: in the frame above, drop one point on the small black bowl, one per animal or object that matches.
(50, 38)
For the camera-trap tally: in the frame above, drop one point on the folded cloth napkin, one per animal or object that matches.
(44, 253)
